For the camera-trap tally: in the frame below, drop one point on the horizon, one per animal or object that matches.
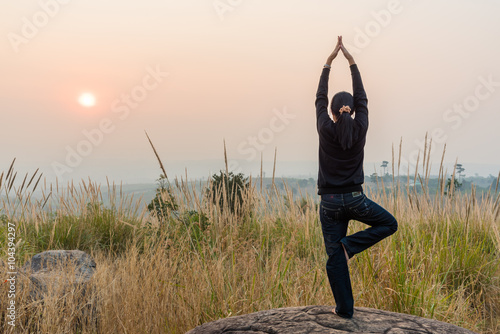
(201, 170)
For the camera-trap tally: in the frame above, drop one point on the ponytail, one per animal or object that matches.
(345, 129)
(342, 107)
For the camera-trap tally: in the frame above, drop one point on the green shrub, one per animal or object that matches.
(227, 189)
(164, 201)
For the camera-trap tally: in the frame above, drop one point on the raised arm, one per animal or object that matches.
(322, 93)
(346, 53)
(359, 94)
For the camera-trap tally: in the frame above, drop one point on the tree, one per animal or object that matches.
(384, 166)
(164, 200)
(456, 185)
(227, 189)
(460, 169)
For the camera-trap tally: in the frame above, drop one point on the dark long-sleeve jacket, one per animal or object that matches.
(341, 171)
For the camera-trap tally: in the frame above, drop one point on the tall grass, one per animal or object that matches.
(203, 262)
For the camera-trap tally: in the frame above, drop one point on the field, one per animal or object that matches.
(201, 260)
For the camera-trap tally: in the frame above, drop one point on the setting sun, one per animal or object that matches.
(87, 100)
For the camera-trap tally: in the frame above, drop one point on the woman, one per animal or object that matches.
(340, 179)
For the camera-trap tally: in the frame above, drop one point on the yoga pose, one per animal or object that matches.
(340, 179)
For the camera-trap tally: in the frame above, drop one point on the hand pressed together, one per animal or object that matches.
(340, 47)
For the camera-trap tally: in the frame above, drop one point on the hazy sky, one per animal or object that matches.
(195, 72)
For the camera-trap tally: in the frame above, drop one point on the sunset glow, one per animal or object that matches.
(196, 73)
(87, 100)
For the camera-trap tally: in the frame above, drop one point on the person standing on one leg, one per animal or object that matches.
(340, 179)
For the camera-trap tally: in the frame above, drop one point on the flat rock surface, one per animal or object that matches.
(320, 319)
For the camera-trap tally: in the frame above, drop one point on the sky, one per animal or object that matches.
(194, 74)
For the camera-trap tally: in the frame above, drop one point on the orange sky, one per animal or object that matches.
(192, 73)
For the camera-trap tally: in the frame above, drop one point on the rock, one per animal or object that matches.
(57, 272)
(320, 319)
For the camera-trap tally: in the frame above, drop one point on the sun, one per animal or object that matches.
(87, 100)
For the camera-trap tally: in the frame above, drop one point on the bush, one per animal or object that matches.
(164, 201)
(226, 190)
(195, 223)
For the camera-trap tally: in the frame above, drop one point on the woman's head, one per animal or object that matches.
(342, 109)
(339, 100)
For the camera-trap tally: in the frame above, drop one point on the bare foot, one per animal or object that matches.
(333, 310)
(345, 252)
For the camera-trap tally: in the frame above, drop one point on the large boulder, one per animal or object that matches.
(57, 272)
(320, 319)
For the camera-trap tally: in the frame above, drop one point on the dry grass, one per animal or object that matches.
(170, 275)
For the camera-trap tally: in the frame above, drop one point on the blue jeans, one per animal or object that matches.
(335, 212)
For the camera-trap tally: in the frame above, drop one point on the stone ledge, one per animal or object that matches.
(320, 319)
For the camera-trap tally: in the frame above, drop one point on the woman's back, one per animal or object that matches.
(341, 167)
